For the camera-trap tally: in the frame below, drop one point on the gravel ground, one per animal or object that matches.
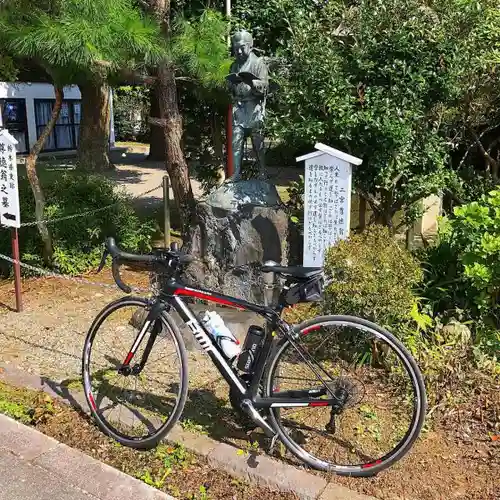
(48, 337)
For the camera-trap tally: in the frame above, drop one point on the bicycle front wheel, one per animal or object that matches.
(136, 407)
(367, 396)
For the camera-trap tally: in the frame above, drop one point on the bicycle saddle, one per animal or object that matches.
(298, 272)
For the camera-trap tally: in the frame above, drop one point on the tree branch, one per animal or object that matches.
(455, 198)
(491, 161)
(399, 204)
(157, 122)
(370, 198)
(484, 132)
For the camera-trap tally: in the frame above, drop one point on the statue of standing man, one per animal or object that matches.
(249, 84)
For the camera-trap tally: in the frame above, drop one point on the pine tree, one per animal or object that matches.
(76, 41)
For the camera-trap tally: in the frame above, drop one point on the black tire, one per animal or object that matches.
(417, 382)
(152, 439)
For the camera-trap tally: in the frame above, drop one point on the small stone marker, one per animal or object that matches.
(9, 192)
(327, 200)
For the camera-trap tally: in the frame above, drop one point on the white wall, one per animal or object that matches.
(32, 91)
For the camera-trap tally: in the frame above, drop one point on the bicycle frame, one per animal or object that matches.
(171, 296)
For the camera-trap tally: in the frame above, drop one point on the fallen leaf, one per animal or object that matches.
(495, 438)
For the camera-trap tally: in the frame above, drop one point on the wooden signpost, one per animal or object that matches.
(10, 214)
(327, 201)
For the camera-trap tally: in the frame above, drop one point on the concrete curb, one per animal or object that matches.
(257, 469)
(68, 467)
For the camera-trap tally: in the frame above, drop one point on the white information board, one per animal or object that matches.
(9, 192)
(327, 201)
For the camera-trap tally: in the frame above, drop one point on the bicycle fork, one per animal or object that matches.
(152, 318)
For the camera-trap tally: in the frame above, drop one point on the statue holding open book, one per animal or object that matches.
(249, 84)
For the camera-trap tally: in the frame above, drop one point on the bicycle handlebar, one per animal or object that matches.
(115, 269)
(170, 258)
(116, 253)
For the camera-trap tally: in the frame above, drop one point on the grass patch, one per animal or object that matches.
(190, 426)
(72, 383)
(29, 407)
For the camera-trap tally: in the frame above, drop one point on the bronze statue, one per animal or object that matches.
(249, 85)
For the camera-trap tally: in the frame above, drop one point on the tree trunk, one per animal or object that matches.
(176, 164)
(384, 218)
(93, 145)
(33, 176)
(171, 123)
(157, 135)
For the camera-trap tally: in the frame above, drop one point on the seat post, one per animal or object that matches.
(269, 284)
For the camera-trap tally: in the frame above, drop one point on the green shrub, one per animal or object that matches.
(462, 282)
(295, 203)
(78, 242)
(463, 268)
(373, 277)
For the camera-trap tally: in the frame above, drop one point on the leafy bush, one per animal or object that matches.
(78, 241)
(295, 203)
(462, 282)
(373, 277)
(463, 269)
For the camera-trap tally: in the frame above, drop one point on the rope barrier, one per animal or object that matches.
(52, 274)
(84, 214)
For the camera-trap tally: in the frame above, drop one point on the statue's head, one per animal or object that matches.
(242, 43)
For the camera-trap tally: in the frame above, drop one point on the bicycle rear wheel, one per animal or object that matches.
(137, 408)
(367, 396)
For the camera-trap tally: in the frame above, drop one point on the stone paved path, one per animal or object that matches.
(36, 467)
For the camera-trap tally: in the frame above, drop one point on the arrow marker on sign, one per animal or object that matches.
(9, 216)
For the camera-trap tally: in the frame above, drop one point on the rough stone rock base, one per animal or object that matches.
(232, 245)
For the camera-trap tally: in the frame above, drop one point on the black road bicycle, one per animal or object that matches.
(341, 393)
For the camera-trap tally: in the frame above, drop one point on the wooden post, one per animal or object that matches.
(17, 270)
(166, 211)
(362, 212)
(229, 142)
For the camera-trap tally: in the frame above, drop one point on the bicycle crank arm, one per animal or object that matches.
(249, 409)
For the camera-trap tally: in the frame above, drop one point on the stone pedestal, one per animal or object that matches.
(241, 226)
(231, 196)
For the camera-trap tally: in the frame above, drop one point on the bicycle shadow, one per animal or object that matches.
(203, 409)
(219, 421)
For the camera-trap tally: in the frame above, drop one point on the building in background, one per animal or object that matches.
(25, 109)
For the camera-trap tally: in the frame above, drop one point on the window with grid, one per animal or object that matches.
(65, 133)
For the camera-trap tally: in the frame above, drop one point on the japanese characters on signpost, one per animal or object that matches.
(9, 193)
(327, 200)
(10, 214)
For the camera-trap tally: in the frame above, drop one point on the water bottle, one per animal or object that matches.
(215, 325)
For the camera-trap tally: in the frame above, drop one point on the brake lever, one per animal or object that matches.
(115, 268)
(103, 261)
